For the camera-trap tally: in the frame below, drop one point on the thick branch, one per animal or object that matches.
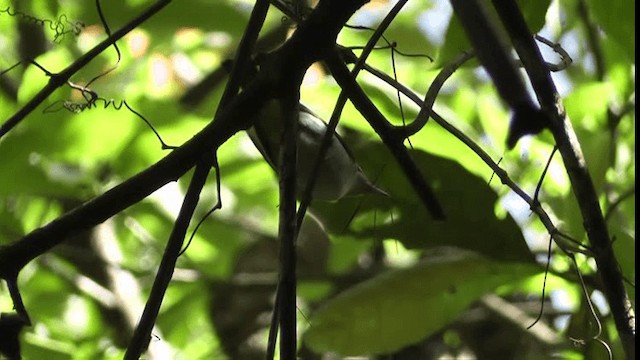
(576, 167)
(312, 38)
(287, 227)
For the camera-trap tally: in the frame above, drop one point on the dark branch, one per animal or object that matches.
(142, 334)
(281, 74)
(385, 130)
(576, 167)
(492, 51)
(287, 226)
(305, 201)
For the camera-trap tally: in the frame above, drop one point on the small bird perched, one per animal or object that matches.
(339, 175)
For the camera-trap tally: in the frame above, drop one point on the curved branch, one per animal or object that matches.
(562, 240)
(432, 93)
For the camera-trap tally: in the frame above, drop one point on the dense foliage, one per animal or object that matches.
(376, 276)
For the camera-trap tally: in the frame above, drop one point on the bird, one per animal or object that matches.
(339, 175)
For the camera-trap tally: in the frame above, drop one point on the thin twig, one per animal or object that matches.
(142, 334)
(59, 79)
(544, 285)
(215, 207)
(432, 94)
(593, 38)
(536, 194)
(618, 201)
(592, 310)
(393, 142)
(565, 59)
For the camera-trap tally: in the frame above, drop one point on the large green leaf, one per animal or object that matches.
(617, 19)
(206, 15)
(455, 41)
(468, 201)
(534, 12)
(401, 307)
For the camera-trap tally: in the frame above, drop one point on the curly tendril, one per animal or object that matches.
(61, 27)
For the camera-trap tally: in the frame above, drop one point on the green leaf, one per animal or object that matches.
(588, 103)
(205, 15)
(534, 12)
(21, 154)
(40, 347)
(597, 152)
(402, 307)
(455, 41)
(617, 19)
(468, 202)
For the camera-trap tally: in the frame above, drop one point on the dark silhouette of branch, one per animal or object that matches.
(287, 229)
(142, 334)
(432, 93)
(360, 62)
(196, 94)
(239, 67)
(576, 167)
(14, 256)
(16, 298)
(311, 40)
(448, 70)
(492, 51)
(592, 38)
(10, 328)
(562, 240)
(615, 203)
(391, 139)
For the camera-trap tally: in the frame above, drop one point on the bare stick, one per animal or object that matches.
(142, 334)
(287, 227)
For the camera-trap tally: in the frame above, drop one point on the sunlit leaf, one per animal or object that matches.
(616, 18)
(534, 12)
(399, 308)
(222, 293)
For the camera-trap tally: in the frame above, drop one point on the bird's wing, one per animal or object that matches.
(256, 133)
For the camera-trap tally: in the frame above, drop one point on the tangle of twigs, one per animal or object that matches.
(92, 100)
(61, 26)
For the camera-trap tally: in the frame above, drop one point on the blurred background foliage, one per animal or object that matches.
(377, 277)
